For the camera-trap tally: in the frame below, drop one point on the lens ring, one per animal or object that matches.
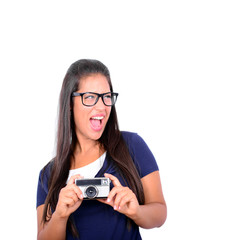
(91, 191)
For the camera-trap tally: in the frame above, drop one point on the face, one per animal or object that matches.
(90, 122)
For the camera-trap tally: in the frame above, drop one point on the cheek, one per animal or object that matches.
(108, 111)
(80, 116)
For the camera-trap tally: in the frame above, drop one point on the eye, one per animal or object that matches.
(108, 96)
(89, 96)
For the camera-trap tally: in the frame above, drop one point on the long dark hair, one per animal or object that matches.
(111, 140)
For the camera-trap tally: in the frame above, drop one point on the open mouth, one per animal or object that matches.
(96, 122)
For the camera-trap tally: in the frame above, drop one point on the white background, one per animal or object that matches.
(175, 65)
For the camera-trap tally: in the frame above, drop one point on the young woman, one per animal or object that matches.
(89, 144)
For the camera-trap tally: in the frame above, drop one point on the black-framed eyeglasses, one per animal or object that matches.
(89, 99)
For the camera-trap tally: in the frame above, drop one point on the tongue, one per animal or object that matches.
(95, 123)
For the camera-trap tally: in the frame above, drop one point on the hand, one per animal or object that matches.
(122, 199)
(70, 198)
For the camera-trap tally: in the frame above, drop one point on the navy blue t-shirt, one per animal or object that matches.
(95, 220)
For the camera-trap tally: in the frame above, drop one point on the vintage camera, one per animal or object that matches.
(94, 188)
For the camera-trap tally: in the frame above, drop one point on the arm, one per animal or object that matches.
(54, 229)
(70, 198)
(152, 214)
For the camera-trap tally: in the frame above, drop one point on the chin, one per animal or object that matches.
(96, 136)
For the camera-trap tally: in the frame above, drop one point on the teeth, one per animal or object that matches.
(97, 118)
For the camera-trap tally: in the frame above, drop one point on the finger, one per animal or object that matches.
(74, 189)
(113, 193)
(68, 198)
(127, 199)
(77, 191)
(119, 198)
(71, 201)
(72, 195)
(73, 178)
(104, 201)
(114, 180)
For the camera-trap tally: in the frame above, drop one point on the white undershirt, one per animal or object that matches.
(90, 170)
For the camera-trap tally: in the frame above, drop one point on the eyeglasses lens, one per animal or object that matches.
(90, 99)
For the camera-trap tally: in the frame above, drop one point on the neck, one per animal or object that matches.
(85, 152)
(84, 145)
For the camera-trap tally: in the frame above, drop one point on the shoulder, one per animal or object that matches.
(134, 141)
(131, 137)
(42, 189)
(45, 173)
(140, 153)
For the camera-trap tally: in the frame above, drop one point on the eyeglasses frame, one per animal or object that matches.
(99, 95)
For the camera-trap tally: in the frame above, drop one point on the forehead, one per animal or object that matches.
(94, 83)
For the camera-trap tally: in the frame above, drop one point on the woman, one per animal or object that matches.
(89, 144)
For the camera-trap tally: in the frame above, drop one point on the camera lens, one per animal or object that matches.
(91, 192)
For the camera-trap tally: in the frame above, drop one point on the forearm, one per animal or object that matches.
(151, 215)
(55, 229)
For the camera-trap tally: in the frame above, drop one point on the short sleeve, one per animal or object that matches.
(42, 189)
(140, 153)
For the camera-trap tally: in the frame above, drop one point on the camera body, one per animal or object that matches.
(94, 188)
